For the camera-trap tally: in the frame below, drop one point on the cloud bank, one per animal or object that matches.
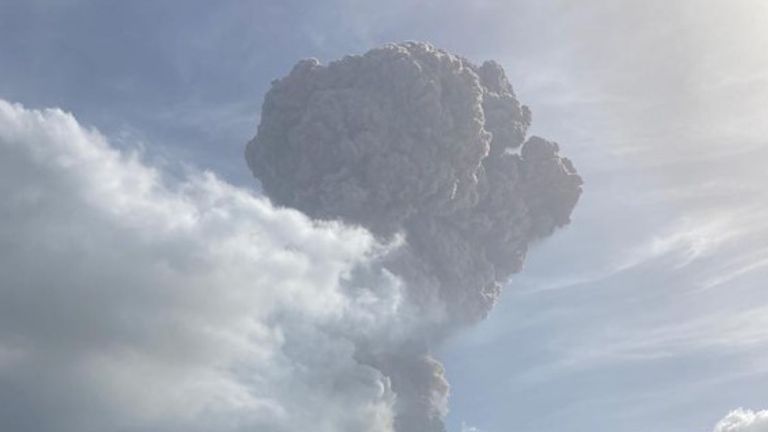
(131, 302)
(411, 141)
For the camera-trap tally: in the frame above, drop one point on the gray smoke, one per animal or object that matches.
(409, 140)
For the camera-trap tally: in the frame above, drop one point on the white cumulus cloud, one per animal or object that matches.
(742, 420)
(132, 302)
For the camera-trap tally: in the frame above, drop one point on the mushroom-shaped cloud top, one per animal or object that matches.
(411, 139)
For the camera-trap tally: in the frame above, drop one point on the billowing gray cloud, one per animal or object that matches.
(409, 140)
(131, 302)
(742, 420)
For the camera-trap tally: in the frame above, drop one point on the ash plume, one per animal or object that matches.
(411, 141)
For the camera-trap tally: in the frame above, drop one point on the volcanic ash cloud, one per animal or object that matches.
(412, 142)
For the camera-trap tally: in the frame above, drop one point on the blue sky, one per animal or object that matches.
(647, 313)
